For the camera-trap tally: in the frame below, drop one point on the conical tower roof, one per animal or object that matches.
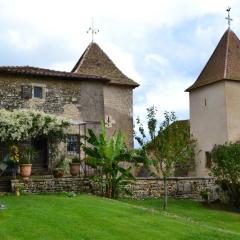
(224, 64)
(95, 61)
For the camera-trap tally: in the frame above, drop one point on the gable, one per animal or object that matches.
(95, 61)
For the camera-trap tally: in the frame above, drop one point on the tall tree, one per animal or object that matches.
(166, 144)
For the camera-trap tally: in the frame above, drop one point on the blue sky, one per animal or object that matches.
(161, 44)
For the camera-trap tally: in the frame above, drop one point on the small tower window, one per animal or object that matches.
(205, 102)
(109, 121)
(208, 160)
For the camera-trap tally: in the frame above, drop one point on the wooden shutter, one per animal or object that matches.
(26, 92)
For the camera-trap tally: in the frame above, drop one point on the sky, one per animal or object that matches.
(163, 45)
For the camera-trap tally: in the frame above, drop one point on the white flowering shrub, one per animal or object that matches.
(22, 125)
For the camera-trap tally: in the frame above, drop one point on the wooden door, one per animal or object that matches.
(40, 164)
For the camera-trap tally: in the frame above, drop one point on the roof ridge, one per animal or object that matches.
(226, 56)
(81, 59)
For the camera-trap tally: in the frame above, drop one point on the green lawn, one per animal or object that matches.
(88, 217)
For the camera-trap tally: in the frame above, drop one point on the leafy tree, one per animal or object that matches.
(167, 145)
(106, 155)
(226, 168)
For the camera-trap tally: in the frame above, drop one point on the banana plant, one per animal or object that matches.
(107, 155)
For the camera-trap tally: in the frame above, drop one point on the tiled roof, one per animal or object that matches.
(224, 64)
(95, 62)
(42, 72)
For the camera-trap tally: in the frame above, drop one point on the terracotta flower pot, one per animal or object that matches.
(74, 168)
(25, 171)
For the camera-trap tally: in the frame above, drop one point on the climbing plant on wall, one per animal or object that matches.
(23, 125)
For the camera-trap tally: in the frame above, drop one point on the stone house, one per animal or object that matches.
(215, 101)
(94, 91)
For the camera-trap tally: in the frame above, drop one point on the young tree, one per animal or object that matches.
(107, 154)
(166, 145)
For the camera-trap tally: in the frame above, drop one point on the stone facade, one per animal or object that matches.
(118, 104)
(142, 188)
(74, 100)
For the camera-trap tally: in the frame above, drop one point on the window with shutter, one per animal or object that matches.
(26, 92)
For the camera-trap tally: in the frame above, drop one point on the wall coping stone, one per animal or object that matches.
(174, 178)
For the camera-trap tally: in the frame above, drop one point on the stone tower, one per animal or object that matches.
(118, 94)
(215, 101)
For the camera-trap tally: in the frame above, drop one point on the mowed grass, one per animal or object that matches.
(89, 217)
(212, 215)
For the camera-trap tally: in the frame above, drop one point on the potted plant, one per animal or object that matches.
(14, 157)
(75, 166)
(26, 159)
(58, 170)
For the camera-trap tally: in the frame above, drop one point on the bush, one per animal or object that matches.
(76, 160)
(226, 168)
(205, 195)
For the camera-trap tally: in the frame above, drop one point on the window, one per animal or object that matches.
(73, 144)
(208, 160)
(37, 92)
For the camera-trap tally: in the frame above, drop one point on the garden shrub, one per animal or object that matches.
(226, 168)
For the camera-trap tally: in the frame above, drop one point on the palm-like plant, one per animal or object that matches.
(106, 155)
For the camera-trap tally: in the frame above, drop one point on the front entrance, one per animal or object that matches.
(40, 164)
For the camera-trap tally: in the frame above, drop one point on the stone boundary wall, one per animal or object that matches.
(142, 188)
(178, 187)
(52, 185)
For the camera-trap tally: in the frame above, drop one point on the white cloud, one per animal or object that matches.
(168, 96)
(123, 60)
(21, 42)
(129, 34)
(160, 60)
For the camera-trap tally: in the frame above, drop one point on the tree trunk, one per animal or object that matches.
(165, 200)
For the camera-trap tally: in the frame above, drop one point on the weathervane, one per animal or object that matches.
(228, 18)
(93, 30)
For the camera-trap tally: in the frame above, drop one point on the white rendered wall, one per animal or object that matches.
(208, 121)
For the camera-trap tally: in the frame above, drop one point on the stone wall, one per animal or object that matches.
(52, 185)
(75, 100)
(142, 188)
(178, 187)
